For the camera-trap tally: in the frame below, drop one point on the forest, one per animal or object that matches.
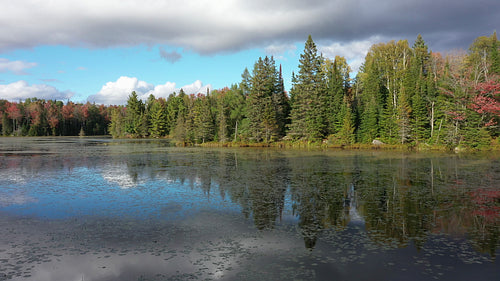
(402, 94)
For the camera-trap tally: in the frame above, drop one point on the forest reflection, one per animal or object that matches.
(399, 199)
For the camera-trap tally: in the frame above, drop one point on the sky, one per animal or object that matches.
(100, 51)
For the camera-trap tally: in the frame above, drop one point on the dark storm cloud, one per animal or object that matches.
(209, 27)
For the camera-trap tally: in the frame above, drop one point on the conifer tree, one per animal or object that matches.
(368, 107)
(308, 110)
(346, 130)
(335, 96)
(246, 82)
(494, 57)
(116, 126)
(237, 110)
(260, 107)
(158, 120)
(222, 117)
(281, 104)
(418, 87)
(135, 121)
(203, 123)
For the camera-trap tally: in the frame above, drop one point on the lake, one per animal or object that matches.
(104, 209)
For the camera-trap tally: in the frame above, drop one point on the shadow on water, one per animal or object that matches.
(244, 213)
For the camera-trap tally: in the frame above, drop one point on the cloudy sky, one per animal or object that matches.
(100, 50)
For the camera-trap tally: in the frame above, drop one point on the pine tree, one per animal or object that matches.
(494, 57)
(135, 121)
(346, 131)
(222, 118)
(281, 104)
(246, 82)
(308, 108)
(368, 106)
(117, 126)
(183, 128)
(261, 111)
(237, 110)
(158, 124)
(335, 95)
(203, 124)
(419, 93)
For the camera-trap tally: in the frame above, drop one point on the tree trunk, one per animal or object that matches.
(432, 119)
(236, 131)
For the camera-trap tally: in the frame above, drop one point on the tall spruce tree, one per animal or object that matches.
(418, 89)
(281, 105)
(203, 123)
(260, 108)
(135, 120)
(308, 108)
(345, 132)
(158, 120)
(369, 109)
(494, 56)
(246, 82)
(338, 85)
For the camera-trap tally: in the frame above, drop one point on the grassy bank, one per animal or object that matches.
(494, 146)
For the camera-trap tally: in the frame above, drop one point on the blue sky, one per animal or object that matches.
(84, 72)
(100, 51)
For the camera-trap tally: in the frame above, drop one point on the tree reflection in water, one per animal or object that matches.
(400, 199)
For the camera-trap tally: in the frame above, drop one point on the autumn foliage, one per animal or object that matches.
(35, 117)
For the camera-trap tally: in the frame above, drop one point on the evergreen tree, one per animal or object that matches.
(281, 104)
(237, 110)
(158, 120)
(116, 126)
(135, 121)
(420, 97)
(183, 128)
(308, 95)
(494, 57)
(203, 124)
(261, 111)
(246, 82)
(346, 131)
(335, 97)
(172, 109)
(222, 115)
(368, 107)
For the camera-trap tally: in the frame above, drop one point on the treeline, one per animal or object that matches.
(38, 117)
(402, 95)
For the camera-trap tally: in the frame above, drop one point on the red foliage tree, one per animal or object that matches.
(14, 113)
(52, 115)
(67, 111)
(487, 101)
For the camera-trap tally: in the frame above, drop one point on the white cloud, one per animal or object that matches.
(280, 50)
(117, 93)
(163, 91)
(17, 67)
(354, 52)
(21, 90)
(196, 87)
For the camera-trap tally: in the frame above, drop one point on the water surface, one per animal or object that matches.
(103, 209)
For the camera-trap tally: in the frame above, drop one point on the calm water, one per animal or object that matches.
(103, 209)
